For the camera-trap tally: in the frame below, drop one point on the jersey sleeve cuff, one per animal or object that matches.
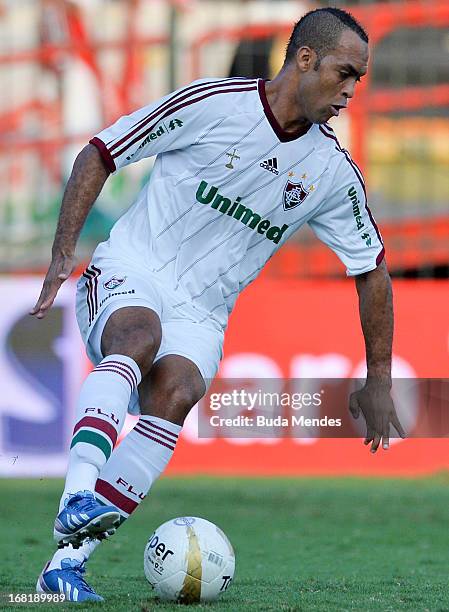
(379, 260)
(380, 257)
(105, 155)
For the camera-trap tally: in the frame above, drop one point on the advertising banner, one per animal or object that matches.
(311, 330)
(283, 334)
(42, 365)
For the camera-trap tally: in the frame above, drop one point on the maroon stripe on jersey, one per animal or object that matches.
(380, 256)
(348, 158)
(121, 365)
(142, 433)
(176, 108)
(374, 224)
(117, 365)
(356, 169)
(360, 178)
(122, 502)
(178, 97)
(147, 427)
(167, 431)
(105, 155)
(175, 97)
(97, 423)
(115, 371)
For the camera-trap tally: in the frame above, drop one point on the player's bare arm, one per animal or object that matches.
(377, 319)
(85, 183)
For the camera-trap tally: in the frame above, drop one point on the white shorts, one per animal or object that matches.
(108, 285)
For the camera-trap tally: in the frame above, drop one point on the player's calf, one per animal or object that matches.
(133, 331)
(172, 388)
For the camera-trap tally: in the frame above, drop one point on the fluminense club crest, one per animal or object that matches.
(294, 194)
(114, 282)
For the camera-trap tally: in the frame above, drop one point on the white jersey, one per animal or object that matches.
(228, 188)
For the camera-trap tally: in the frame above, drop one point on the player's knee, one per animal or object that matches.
(183, 397)
(142, 345)
(136, 333)
(173, 401)
(137, 343)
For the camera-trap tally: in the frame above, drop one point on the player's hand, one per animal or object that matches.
(60, 269)
(375, 403)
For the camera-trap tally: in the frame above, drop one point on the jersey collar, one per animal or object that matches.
(278, 130)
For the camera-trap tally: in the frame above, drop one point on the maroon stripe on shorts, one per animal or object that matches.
(86, 284)
(95, 279)
(88, 274)
(92, 287)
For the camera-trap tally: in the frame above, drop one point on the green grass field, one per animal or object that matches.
(300, 544)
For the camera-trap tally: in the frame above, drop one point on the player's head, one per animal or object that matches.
(329, 50)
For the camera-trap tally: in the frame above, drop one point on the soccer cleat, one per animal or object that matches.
(84, 517)
(68, 581)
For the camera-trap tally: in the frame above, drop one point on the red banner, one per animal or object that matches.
(309, 329)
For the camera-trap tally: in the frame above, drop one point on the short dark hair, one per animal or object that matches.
(321, 30)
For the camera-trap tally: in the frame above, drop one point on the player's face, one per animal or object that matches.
(324, 92)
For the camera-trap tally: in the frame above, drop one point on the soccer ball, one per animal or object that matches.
(189, 559)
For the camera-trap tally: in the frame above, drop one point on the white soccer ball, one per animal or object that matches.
(189, 559)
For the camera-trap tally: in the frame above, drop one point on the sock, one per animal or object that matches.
(137, 462)
(128, 475)
(101, 411)
(68, 552)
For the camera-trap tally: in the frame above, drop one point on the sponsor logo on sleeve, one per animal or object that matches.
(174, 123)
(161, 129)
(367, 238)
(352, 193)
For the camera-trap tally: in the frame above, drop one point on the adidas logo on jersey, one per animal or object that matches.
(271, 165)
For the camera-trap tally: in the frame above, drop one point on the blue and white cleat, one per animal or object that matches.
(68, 581)
(84, 517)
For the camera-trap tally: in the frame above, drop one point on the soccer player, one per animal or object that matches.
(241, 164)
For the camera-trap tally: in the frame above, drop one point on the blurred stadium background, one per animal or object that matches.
(67, 68)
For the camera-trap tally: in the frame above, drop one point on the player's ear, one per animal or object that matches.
(305, 58)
